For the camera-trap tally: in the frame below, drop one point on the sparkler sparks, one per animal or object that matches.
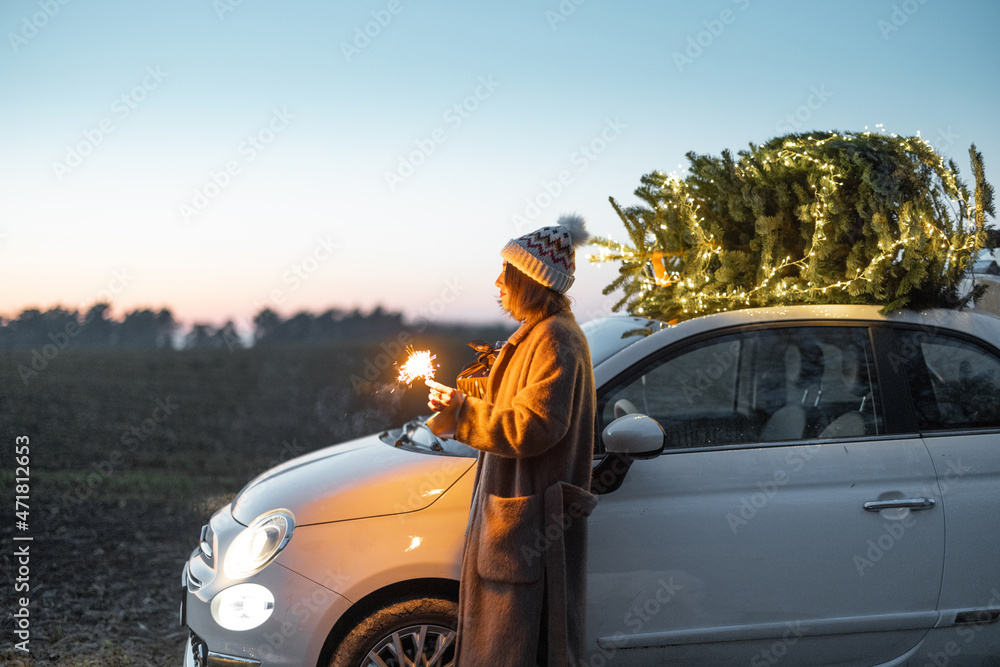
(418, 364)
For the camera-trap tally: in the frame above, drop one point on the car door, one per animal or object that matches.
(748, 539)
(954, 381)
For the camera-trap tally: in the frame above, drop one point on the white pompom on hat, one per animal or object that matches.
(548, 255)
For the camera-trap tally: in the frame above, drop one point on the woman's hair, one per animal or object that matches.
(529, 298)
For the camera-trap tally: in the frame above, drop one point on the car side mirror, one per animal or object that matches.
(626, 439)
(634, 436)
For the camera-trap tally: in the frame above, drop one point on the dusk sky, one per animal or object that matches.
(217, 157)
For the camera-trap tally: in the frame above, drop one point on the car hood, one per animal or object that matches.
(353, 480)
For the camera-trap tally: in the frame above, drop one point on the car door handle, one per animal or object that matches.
(915, 504)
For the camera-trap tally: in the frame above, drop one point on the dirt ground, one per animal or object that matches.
(105, 584)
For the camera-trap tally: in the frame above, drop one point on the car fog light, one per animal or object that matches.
(242, 607)
(259, 543)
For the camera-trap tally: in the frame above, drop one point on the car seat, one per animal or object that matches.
(802, 388)
(854, 373)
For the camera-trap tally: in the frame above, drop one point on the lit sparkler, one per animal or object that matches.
(418, 364)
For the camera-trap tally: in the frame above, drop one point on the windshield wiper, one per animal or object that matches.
(407, 440)
(404, 438)
(436, 444)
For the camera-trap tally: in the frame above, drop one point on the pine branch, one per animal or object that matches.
(824, 217)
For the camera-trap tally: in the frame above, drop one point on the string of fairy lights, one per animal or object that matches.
(687, 273)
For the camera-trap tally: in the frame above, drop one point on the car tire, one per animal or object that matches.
(424, 625)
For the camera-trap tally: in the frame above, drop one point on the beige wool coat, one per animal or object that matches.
(524, 568)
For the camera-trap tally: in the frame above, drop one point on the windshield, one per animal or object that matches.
(605, 335)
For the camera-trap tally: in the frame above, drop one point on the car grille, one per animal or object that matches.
(199, 651)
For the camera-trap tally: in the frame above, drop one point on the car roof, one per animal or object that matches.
(986, 325)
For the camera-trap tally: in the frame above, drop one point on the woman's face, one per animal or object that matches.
(502, 286)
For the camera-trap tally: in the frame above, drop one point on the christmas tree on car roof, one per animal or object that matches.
(822, 217)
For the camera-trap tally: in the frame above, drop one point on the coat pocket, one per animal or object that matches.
(510, 528)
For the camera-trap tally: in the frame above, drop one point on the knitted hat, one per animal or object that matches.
(548, 255)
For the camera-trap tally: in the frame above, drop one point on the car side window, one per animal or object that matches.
(692, 395)
(790, 383)
(954, 383)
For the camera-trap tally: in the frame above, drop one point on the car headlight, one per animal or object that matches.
(259, 543)
(242, 607)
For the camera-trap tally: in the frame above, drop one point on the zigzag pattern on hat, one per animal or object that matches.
(549, 246)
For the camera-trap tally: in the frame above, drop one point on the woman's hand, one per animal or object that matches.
(440, 396)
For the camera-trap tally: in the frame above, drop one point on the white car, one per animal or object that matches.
(825, 491)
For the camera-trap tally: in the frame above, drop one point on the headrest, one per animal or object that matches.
(854, 370)
(804, 363)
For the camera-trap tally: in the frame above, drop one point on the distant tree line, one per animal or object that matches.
(333, 324)
(95, 328)
(146, 328)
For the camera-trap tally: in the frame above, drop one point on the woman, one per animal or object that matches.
(523, 591)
